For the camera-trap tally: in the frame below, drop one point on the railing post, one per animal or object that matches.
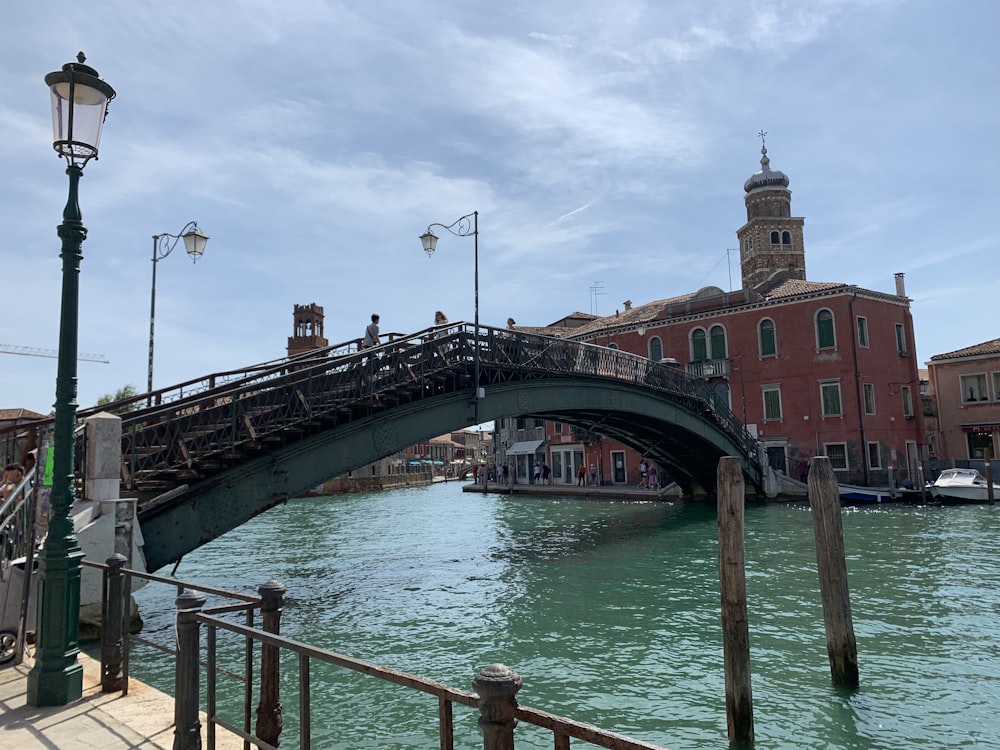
(187, 726)
(113, 625)
(497, 687)
(269, 721)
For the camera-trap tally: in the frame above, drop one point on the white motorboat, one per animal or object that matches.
(960, 486)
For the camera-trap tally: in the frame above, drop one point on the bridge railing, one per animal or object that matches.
(225, 414)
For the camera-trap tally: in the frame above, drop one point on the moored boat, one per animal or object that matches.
(962, 486)
(852, 494)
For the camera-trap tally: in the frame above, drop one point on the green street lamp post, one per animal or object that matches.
(79, 105)
(163, 244)
(463, 226)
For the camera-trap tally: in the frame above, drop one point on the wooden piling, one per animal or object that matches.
(824, 499)
(733, 589)
(988, 456)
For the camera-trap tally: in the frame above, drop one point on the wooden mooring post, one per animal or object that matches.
(824, 500)
(733, 588)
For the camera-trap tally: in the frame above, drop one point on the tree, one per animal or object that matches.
(122, 394)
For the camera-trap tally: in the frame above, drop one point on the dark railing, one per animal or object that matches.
(496, 686)
(194, 435)
(194, 429)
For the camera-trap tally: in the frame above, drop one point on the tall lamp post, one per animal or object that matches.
(163, 244)
(79, 105)
(464, 226)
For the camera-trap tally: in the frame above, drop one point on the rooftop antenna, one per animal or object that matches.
(596, 290)
(730, 250)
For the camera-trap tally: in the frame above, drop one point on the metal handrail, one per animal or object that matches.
(277, 400)
(561, 727)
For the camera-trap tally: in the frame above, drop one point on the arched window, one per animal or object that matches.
(775, 238)
(767, 338)
(655, 349)
(718, 340)
(699, 345)
(825, 335)
(612, 345)
(786, 238)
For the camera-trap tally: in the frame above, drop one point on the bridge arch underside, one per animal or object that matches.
(667, 431)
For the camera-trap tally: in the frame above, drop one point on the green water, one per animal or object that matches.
(610, 613)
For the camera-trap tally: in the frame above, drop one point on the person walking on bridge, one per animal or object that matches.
(371, 333)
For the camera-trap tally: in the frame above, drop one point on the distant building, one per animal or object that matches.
(811, 367)
(965, 387)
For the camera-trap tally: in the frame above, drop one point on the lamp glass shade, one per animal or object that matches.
(429, 240)
(194, 243)
(79, 106)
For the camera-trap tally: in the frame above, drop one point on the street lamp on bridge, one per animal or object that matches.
(79, 106)
(464, 226)
(163, 244)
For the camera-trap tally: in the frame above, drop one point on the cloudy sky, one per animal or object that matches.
(605, 145)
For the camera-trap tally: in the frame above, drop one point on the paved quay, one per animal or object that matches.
(607, 491)
(141, 720)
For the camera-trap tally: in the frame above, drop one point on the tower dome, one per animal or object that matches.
(765, 177)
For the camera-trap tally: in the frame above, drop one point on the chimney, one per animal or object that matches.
(900, 285)
(628, 305)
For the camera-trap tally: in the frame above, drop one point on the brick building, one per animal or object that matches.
(811, 367)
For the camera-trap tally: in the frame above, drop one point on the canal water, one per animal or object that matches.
(610, 613)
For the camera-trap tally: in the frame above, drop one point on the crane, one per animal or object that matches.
(29, 351)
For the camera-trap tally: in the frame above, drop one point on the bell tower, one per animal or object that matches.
(308, 330)
(771, 241)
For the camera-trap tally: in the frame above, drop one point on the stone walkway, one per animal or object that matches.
(142, 720)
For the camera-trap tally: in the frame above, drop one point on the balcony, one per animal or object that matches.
(712, 368)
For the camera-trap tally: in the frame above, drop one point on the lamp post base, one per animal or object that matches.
(57, 676)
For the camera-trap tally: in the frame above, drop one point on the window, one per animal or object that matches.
(979, 443)
(655, 349)
(768, 342)
(874, 456)
(907, 402)
(830, 397)
(786, 238)
(557, 427)
(974, 388)
(996, 386)
(612, 345)
(900, 339)
(837, 453)
(863, 332)
(772, 402)
(869, 391)
(775, 238)
(825, 338)
(718, 338)
(699, 345)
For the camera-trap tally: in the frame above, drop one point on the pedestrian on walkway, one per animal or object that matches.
(546, 474)
(643, 473)
(505, 475)
(371, 333)
(654, 477)
(538, 473)
(593, 475)
(581, 476)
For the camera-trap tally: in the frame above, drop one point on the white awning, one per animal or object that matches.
(526, 446)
